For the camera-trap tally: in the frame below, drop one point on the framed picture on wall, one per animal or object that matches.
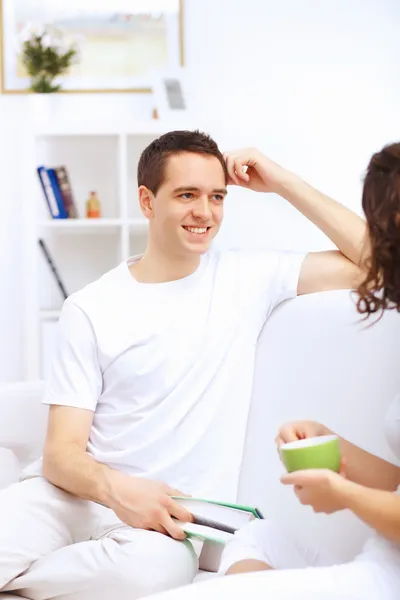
(120, 42)
(170, 92)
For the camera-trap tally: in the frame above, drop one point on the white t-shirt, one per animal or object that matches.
(167, 368)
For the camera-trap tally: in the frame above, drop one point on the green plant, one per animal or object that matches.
(46, 55)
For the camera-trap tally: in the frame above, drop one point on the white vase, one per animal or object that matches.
(44, 108)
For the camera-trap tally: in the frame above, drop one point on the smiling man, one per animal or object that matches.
(182, 194)
(152, 361)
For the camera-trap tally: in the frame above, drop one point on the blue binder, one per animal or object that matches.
(52, 193)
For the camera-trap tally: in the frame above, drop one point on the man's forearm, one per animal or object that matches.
(378, 509)
(344, 228)
(76, 472)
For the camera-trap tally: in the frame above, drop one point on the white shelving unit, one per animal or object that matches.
(102, 158)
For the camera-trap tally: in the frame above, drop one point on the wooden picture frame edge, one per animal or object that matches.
(90, 91)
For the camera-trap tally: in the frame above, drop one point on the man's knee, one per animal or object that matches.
(141, 569)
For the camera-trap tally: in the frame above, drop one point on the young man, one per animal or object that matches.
(150, 360)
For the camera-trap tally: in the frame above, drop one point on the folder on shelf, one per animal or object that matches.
(52, 192)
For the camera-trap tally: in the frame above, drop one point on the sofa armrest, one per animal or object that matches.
(23, 419)
(10, 467)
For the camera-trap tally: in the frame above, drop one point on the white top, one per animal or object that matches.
(167, 368)
(378, 547)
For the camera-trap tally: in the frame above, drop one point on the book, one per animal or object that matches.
(66, 191)
(215, 521)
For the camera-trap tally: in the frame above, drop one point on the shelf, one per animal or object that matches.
(82, 225)
(103, 225)
(139, 224)
(49, 315)
(99, 156)
(78, 223)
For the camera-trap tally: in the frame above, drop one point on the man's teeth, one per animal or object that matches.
(196, 229)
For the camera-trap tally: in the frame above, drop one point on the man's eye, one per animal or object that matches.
(218, 197)
(186, 196)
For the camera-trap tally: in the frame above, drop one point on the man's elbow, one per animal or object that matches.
(56, 459)
(51, 462)
(328, 271)
(353, 275)
(393, 532)
(347, 275)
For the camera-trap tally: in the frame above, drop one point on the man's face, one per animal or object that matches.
(187, 210)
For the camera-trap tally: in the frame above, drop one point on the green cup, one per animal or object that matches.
(321, 452)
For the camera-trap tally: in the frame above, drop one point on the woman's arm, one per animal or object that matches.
(379, 509)
(328, 492)
(369, 470)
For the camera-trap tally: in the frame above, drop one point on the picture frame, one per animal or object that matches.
(171, 98)
(153, 35)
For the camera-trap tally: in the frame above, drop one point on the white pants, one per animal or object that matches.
(300, 572)
(53, 545)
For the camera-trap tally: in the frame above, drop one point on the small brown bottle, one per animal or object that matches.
(93, 206)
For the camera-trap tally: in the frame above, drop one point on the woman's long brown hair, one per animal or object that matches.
(381, 203)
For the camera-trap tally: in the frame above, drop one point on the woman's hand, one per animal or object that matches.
(300, 430)
(319, 488)
(328, 492)
(324, 490)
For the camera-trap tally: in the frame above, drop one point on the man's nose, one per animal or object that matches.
(202, 208)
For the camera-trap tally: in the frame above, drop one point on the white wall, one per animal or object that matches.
(10, 255)
(313, 83)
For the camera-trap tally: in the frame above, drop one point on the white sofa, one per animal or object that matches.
(315, 360)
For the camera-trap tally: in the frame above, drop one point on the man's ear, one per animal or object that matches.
(146, 199)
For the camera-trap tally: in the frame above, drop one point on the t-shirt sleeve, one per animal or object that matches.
(271, 277)
(75, 377)
(284, 278)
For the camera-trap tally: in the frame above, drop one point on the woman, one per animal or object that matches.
(266, 561)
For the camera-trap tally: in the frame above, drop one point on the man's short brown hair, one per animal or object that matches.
(151, 167)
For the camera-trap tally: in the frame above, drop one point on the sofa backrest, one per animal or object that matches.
(317, 361)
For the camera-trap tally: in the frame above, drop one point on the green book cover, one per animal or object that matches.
(251, 509)
(217, 537)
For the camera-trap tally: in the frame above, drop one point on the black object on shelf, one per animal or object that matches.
(53, 268)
